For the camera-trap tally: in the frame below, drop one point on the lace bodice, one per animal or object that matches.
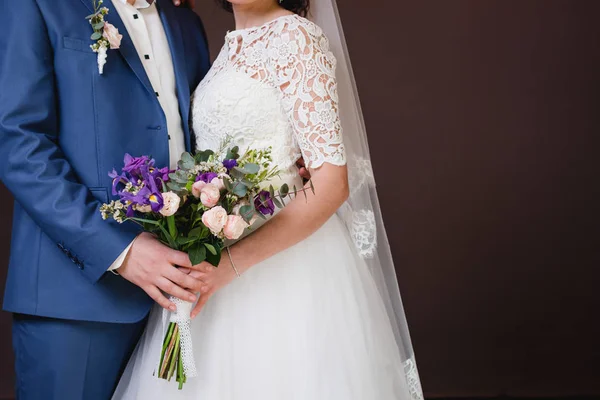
(273, 85)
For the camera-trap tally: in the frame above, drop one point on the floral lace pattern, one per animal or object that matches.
(412, 378)
(290, 102)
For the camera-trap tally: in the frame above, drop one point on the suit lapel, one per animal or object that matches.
(127, 48)
(175, 38)
(166, 11)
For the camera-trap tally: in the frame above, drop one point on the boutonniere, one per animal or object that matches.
(105, 35)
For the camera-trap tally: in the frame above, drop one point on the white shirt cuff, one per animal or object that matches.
(119, 261)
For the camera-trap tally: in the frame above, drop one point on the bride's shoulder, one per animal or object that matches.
(297, 28)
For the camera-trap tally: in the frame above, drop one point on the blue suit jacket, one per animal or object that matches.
(63, 126)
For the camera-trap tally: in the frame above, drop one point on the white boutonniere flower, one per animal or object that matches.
(106, 36)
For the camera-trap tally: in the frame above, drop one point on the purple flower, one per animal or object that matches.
(206, 177)
(264, 203)
(117, 180)
(161, 174)
(134, 165)
(145, 197)
(230, 164)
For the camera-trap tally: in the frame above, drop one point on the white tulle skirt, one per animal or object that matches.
(306, 324)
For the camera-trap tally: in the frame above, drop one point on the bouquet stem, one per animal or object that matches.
(170, 359)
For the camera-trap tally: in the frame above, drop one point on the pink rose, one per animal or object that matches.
(197, 188)
(215, 219)
(111, 33)
(218, 181)
(234, 228)
(170, 205)
(210, 195)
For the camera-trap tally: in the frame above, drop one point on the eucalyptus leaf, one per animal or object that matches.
(284, 190)
(98, 26)
(249, 169)
(277, 202)
(233, 153)
(203, 156)
(187, 161)
(96, 36)
(240, 190)
(247, 212)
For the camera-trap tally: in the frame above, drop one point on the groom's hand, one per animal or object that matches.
(153, 267)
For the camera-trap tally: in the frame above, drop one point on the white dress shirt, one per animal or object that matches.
(147, 33)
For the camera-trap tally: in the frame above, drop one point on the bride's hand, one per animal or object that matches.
(213, 280)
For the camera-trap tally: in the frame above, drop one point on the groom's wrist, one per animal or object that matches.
(118, 263)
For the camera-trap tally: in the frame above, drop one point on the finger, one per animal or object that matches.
(160, 299)
(204, 267)
(176, 2)
(185, 270)
(183, 280)
(200, 305)
(171, 288)
(179, 258)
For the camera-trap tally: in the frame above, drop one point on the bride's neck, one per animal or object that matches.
(251, 15)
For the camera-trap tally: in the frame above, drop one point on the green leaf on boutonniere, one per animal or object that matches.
(197, 254)
(96, 36)
(99, 26)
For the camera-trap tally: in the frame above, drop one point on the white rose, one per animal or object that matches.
(143, 208)
(197, 188)
(234, 227)
(170, 204)
(210, 195)
(215, 219)
(111, 33)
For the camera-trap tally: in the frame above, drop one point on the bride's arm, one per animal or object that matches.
(309, 96)
(296, 222)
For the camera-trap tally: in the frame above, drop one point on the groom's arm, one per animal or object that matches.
(32, 165)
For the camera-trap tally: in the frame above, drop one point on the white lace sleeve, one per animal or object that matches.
(304, 71)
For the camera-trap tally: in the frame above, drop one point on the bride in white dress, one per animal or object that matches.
(315, 314)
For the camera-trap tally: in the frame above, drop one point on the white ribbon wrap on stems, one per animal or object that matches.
(182, 318)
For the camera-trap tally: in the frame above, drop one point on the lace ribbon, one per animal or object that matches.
(182, 318)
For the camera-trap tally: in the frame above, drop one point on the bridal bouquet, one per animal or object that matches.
(209, 198)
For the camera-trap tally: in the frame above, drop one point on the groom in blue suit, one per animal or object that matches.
(63, 127)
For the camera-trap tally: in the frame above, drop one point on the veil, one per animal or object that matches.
(362, 212)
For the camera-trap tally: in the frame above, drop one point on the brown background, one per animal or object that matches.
(484, 129)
